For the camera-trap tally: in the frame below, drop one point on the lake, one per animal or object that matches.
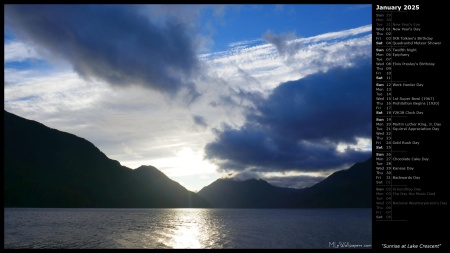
(187, 228)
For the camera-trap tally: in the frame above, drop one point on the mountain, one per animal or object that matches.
(44, 167)
(252, 193)
(345, 188)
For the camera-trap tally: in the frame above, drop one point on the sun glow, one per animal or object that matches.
(185, 162)
(186, 166)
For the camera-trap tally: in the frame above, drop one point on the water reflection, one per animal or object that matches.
(187, 234)
(191, 229)
(185, 228)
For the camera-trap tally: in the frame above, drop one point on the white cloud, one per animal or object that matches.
(244, 43)
(362, 144)
(19, 51)
(33, 92)
(269, 68)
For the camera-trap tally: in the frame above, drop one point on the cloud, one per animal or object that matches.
(249, 79)
(19, 51)
(244, 43)
(294, 181)
(301, 124)
(280, 179)
(234, 87)
(199, 120)
(267, 67)
(285, 43)
(114, 43)
(243, 175)
(127, 150)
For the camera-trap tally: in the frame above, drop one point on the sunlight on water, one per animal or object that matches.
(190, 229)
(186, 237)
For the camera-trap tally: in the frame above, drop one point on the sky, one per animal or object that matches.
(201, 92)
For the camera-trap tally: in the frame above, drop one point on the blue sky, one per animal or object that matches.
(245, 22)
(279, 92)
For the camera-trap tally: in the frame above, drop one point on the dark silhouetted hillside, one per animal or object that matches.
(346, 188)
(44, 167)
(252, 193)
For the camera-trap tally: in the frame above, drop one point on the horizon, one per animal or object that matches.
(277, 92)
(224, 177)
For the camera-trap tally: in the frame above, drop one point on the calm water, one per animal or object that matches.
(186, 228)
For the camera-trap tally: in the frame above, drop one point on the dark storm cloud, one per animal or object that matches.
(300, 124)
(114, 43)
(336, 105)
